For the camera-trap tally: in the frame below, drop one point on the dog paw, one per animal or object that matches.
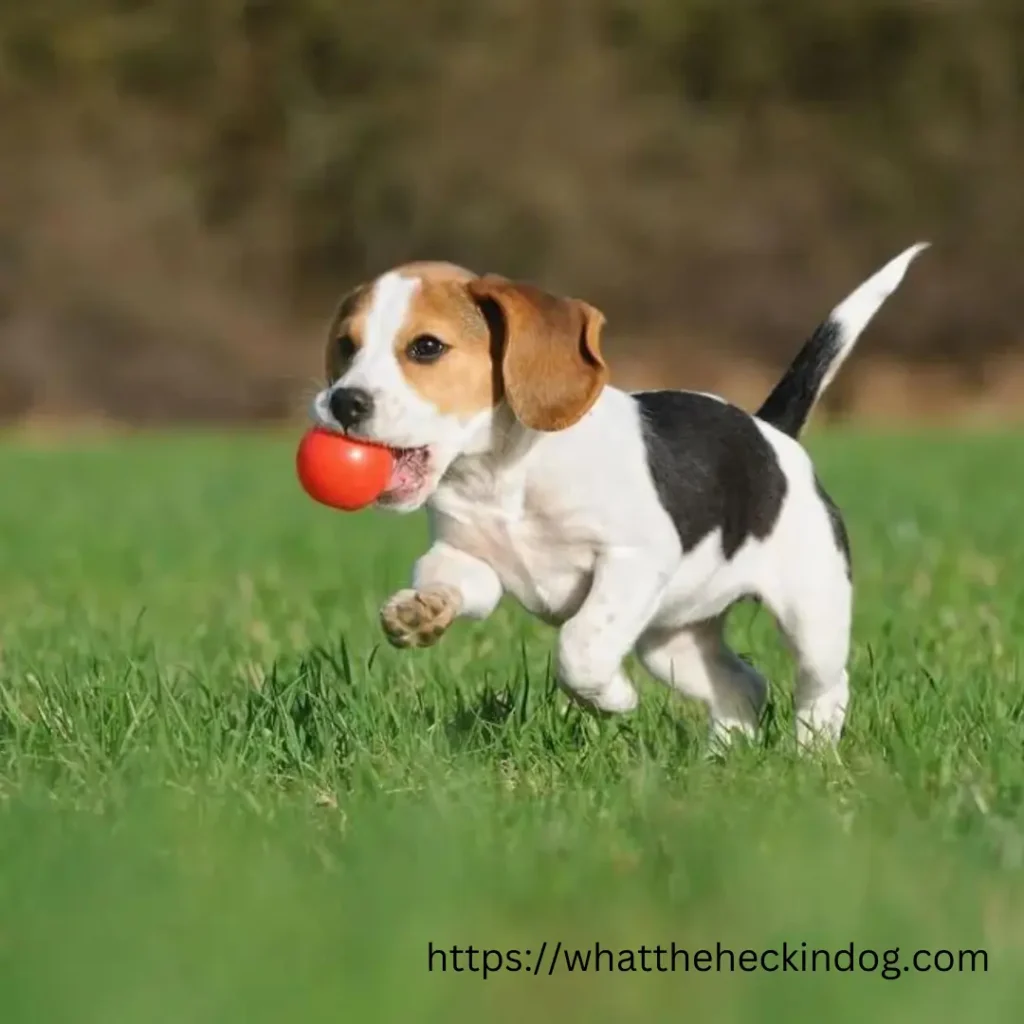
(418, 618)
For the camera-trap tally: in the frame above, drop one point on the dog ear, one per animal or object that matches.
(552, 369)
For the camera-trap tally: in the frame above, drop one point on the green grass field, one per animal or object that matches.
(222, 799)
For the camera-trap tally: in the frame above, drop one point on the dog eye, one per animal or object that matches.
(426, 349)
(339, 355)
(346, 348)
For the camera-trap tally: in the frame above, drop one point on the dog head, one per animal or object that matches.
(422, 358)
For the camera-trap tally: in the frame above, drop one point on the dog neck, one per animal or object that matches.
(493, 458)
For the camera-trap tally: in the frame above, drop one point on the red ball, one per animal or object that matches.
(341, 472)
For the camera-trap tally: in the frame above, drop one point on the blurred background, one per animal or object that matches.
(186, 186)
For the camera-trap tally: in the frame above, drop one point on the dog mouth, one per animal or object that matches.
(412, 470)
(410, 476)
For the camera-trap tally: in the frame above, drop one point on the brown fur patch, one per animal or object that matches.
(436, 271)
(552, 366)
(346, 331)
(464, 380)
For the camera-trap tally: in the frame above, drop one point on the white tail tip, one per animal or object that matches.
(898, 267)
(854, 312)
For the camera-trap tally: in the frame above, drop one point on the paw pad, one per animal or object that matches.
(419, 618)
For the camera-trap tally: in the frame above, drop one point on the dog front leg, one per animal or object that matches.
(447, 583)
(592, 645)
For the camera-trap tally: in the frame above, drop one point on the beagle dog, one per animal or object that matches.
(631, 521)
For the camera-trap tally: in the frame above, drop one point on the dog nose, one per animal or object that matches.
(350, 406)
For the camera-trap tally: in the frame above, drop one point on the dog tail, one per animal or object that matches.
(794, 397)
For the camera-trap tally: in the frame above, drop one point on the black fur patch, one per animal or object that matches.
(838, 527)
(793, 398)
(712, 468)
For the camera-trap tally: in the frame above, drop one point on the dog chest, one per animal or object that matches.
(541, 563)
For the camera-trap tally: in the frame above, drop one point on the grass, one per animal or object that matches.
(221, 799)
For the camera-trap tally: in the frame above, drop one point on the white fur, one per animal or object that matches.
(397, 407)
(570, 524)
(585, 544)
(857, 309)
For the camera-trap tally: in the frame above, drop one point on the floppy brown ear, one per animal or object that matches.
(552, 368)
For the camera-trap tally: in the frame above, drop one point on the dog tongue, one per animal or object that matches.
(407, 472)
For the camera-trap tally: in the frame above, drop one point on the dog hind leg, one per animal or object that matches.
(817, 630)
(697, 662)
